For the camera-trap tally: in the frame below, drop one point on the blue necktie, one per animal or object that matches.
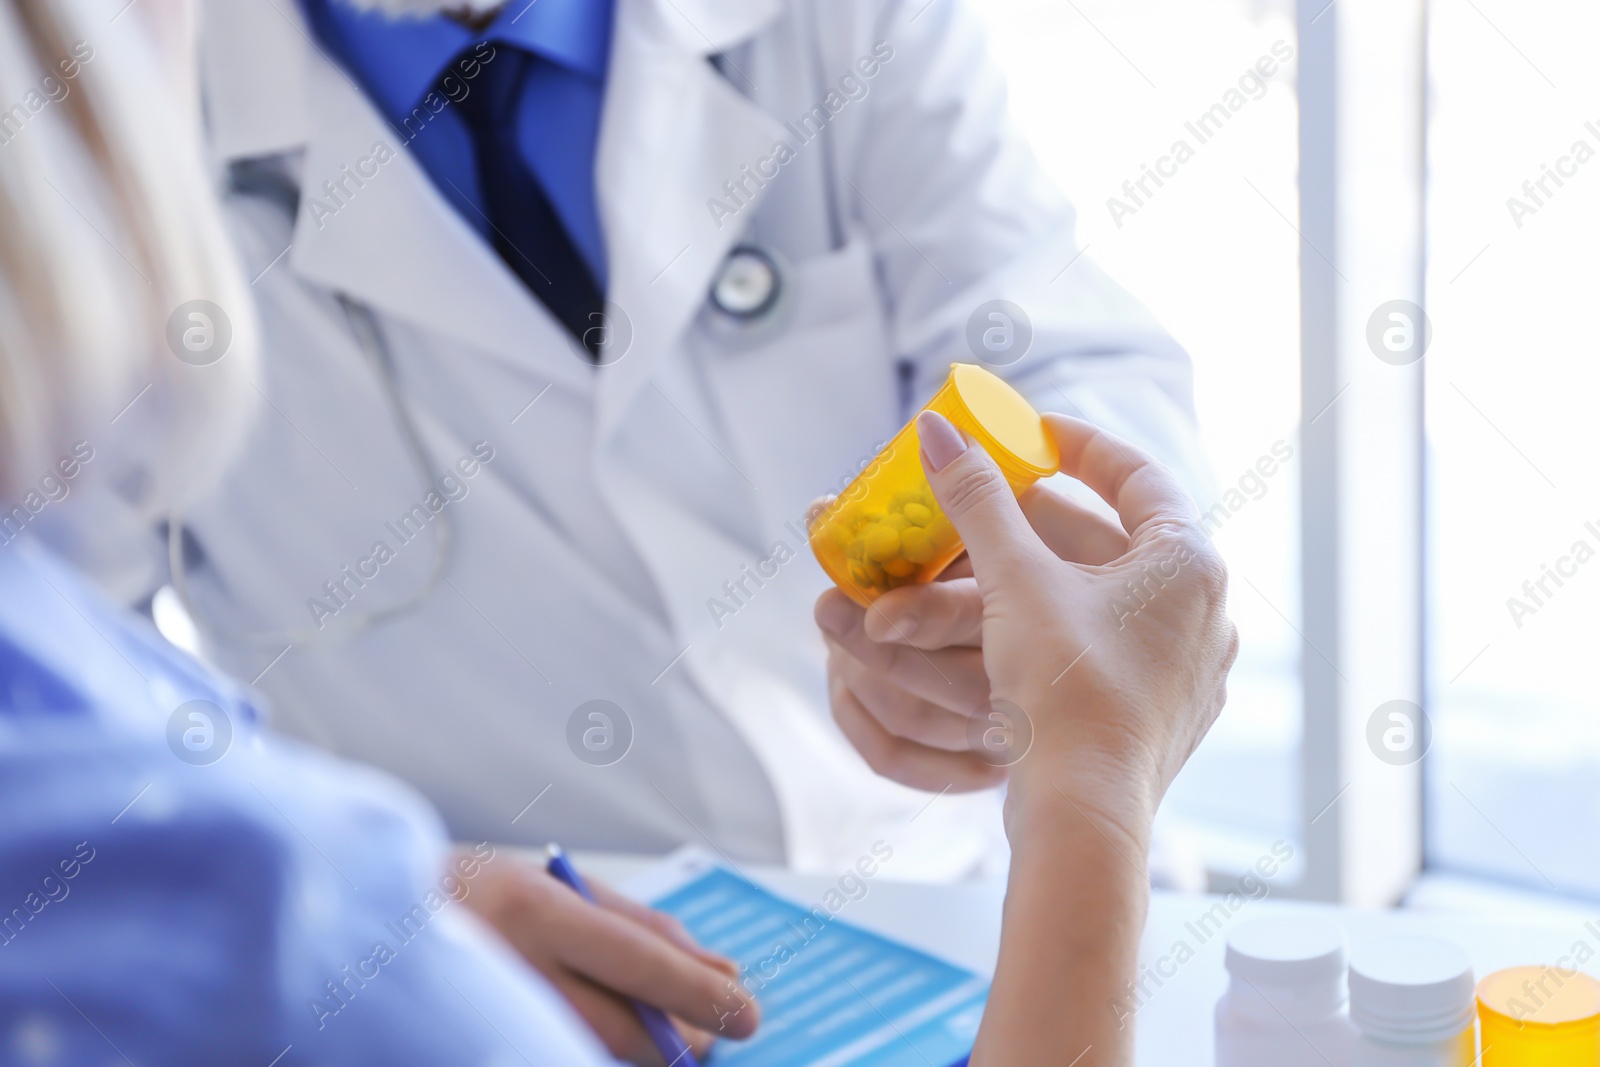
(525, 229)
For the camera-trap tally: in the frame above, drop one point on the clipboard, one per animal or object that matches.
(831, 993)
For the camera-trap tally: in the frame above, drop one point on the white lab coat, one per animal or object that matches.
(628, 501)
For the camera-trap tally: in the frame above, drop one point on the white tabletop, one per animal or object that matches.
(961, 923)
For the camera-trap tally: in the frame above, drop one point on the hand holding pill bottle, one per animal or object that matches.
(886, 529)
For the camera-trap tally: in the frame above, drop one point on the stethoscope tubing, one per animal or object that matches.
(277, 187)
(369, 337)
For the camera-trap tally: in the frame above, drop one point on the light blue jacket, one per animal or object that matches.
(178, 888)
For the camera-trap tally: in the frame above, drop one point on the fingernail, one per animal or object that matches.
(837, 616)
(941, 442)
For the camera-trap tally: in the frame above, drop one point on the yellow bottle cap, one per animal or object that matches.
(1002, 421)
(1541, 998)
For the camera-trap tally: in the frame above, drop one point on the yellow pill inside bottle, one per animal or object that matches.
(1539, 1017)
(885, 529)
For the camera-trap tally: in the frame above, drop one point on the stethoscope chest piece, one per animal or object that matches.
(748, 283)
(749, 297)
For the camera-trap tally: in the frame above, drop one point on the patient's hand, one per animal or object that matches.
(1119, 670)
(906, 676)
(1122, 666)
(599, 956)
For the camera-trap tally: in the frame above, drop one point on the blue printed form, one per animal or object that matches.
(831, 994)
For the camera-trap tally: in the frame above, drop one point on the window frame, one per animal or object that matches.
(1362, 140)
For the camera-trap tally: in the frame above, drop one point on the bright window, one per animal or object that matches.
(1104, 89)
(1514, 777)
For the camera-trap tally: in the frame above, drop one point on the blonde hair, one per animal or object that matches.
(108, 225)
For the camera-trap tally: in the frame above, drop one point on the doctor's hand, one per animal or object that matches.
(597, 957)
(912, 667)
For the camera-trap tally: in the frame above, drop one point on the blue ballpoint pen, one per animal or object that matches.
(667, 1040)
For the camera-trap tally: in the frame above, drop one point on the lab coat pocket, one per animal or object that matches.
(807, 407)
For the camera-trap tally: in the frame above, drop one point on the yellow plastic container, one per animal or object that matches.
(886, 530)
(1539, 1017)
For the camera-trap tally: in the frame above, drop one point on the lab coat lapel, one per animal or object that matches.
(373, 225)
(253, 66)
(673, 131)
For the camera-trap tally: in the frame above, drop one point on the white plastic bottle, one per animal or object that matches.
(1285, 1004)
(1412, 999)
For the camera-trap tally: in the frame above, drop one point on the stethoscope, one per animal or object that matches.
(748, 300)
(748, 285)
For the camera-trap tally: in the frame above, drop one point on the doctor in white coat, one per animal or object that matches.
(557, 578)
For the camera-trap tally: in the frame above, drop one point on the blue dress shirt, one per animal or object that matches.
(191, 892)
(400, 61)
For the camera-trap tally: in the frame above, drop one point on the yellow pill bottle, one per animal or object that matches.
(886, 529)
(1539, 1017)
